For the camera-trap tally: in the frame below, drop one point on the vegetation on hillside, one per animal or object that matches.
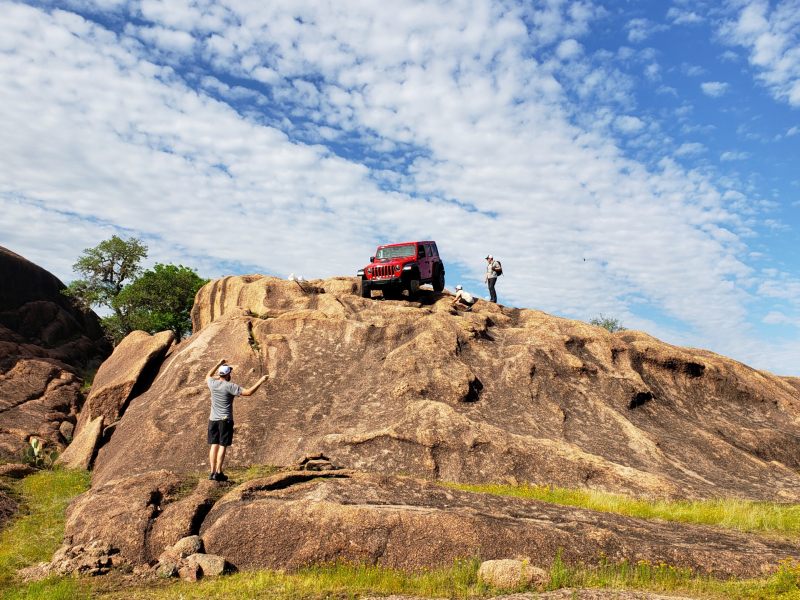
(154, 300)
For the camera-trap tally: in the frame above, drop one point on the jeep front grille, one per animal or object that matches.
(382, 271)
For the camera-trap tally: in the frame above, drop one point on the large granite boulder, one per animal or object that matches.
(496, 394)
(127, 372)
(46, 343)
(299, 518)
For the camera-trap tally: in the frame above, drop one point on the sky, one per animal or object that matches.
(637, 160)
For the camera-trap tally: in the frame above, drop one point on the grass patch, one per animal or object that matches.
(37, 530)
(644, 576)
(330, 581)
(743, 515)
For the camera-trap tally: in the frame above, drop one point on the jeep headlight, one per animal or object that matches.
(360, 273)
(407, 267)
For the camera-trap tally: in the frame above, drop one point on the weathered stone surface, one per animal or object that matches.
(16, 470)
(210, 565)
(80, 453)
(180, 521)
(122, 513)
(94, 558)
(491, 395)
(299, 518)
(133, 364)
(45, 340)
(511, 573)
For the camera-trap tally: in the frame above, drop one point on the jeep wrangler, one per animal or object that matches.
(402, 267)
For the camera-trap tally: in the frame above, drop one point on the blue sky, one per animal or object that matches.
(636, 159)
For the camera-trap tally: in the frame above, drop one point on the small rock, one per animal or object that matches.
(167, 569)
(35, 572)
(15, 470)
(192, 544)
(509, 574)
(211, 565)
(66, 429)
(189, 571)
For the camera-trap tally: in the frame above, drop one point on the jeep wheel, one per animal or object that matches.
(364, 289)
(438, 280)
(413, 288)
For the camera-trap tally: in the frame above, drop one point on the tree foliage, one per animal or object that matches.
(154, 300)
(105, 270)
(161, 299)
(611, 324)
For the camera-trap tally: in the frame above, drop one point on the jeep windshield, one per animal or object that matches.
(390, 252)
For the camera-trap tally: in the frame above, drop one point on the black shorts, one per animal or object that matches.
(220, 432)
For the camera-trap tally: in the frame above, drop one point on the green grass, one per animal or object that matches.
(330, 581)
(460, 582)
(743, 515)
(36, 532)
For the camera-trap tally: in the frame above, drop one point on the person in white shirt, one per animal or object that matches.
(463, 300)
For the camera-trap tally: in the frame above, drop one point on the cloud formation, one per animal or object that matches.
(289, 137)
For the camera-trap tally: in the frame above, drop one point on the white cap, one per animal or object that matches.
(489, 257)
(225, 370)
(458, 287)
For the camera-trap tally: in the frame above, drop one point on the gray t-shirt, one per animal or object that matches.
(490, 269)
(222, 395)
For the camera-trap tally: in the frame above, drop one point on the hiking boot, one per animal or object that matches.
(213, 476)
(220, 477)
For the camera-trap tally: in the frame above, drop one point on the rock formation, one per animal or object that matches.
(46, 342)
(299, 518)
(496, 394)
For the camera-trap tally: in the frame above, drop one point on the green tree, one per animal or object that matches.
(610, 323)
(106, 269)
(161, 299)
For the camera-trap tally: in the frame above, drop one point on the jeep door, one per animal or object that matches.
(424, 261)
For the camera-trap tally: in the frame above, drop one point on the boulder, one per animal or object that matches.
(122, 513)
(127, 372)
(496, 394)
(46, 342)
(210, 565)
(511, 573)
(16, 470)
(80, 453)
(295, 519)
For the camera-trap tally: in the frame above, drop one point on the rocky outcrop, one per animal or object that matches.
(495, 394)
(512, 573)
(299, 518)
(127, 372)
(45, 343)
(80, 453)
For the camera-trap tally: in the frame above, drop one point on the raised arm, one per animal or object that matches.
(213, 370)
(252, 390)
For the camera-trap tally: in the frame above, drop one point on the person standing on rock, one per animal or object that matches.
(493, 269)
(220, 422)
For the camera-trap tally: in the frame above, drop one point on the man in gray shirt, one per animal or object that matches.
(493, 269)
(220, 422)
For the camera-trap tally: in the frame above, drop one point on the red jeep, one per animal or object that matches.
(406, 266)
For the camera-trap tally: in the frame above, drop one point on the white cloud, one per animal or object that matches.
(792, 131)
(447, 125)
(715, 89)
(690, 149)
(640, 29)
(569, 49)
(770, 31)
(628, 124)
(730, 156)
(683, 17)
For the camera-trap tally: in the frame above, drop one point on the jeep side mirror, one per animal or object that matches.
(371, 259)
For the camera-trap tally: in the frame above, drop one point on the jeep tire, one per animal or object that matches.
(364, 289)
(438, 279)
(413, 288)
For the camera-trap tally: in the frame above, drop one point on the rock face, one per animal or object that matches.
(45, 341)
(490, 395)
(298, 518)
(133, 364)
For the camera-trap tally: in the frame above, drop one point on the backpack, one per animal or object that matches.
(499, 268)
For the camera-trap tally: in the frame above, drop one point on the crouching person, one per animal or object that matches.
(463, 300)
(220, 422)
